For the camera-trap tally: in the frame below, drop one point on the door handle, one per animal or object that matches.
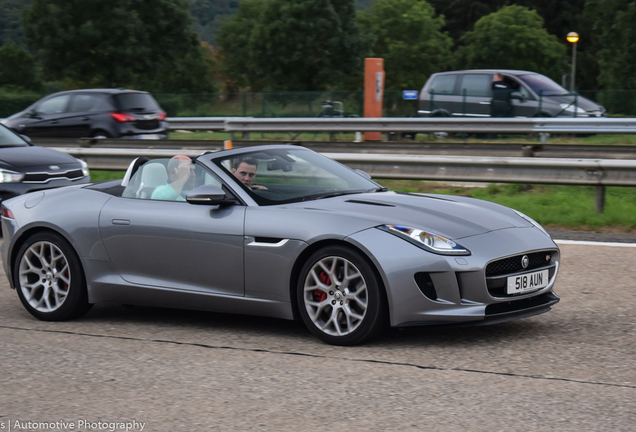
(121, 222)
(85, 118)
(484, 103)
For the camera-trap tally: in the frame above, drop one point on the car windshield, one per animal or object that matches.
(277, 176)
(543, 85)
(136, 102)
(10, 139)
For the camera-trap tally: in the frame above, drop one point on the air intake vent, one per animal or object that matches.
(425, 284)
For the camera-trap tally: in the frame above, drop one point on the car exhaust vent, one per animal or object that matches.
(425, 284)
(370, 203)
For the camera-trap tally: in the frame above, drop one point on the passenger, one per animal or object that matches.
(180, 179)
(245, 170)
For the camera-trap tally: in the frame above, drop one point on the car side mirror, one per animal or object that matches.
(208, 195)
(518, 96)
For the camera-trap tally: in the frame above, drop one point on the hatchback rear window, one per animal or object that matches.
(443, 84)
(136, 102)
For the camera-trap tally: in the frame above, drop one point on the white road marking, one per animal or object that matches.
(592, 243)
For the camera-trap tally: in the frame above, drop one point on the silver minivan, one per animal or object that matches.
(468, 93)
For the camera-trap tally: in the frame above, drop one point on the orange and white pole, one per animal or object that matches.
(373, 92)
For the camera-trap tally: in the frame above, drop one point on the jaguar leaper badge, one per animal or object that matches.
(525, 261)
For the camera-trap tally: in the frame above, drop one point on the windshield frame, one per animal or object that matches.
(356, 183)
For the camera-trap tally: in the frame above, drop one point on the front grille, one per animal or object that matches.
(44, 177)
(497, 272)
(147, 124)
(513, 264)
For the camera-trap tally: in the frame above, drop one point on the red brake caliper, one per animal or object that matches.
(319, 295)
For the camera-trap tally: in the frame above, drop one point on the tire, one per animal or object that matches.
(339, 297)
(49, 279)
(99, 133)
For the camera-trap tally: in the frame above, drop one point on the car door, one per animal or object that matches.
(476, 91)
(175, 244)
(45, 119)
(79, 116)
(526, 107)
(443, 99)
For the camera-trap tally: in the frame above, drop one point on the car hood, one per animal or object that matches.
(449, 216)
(32, 157)
(580, 102)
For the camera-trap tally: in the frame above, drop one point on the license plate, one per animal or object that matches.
(527, 282)
(149, 136)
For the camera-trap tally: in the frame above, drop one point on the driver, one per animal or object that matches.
(245, 170)
(180, 178)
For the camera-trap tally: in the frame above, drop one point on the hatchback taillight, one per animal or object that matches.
(162, 116)
(122, 117)
(7, 213)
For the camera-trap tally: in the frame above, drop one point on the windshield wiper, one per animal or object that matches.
(331, 194)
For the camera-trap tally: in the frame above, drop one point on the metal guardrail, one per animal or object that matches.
(199, 123)
(246, 125)
(596, 172)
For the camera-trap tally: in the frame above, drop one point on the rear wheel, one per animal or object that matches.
(100, 134)
(339, 297)
(49, 279)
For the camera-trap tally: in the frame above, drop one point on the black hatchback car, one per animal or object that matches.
(28, 168)
(108, 113)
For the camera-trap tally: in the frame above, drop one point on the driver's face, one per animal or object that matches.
(245, 173)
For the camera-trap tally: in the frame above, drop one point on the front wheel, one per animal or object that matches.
(49, 279)
(339, 297)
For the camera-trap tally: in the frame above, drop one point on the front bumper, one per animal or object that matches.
(461, 295)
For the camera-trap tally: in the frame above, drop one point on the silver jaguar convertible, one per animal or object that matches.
(277, 231)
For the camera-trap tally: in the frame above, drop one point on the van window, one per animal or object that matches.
(443, 84)
(477, 85)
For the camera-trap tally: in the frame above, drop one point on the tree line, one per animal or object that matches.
(205, 46)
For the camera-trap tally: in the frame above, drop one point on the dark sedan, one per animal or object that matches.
(27, 168)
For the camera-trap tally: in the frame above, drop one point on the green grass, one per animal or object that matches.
(97, 175)
(567, 207)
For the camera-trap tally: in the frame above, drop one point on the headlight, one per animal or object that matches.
(570, 108)
(85, 169)
(7, 176)
(427, 240)
(532, 221)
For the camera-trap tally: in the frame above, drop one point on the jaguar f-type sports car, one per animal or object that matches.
(276, 231)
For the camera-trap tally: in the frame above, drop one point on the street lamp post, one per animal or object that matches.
(573, 38)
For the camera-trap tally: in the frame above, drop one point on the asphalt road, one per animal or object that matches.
(571, 369)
